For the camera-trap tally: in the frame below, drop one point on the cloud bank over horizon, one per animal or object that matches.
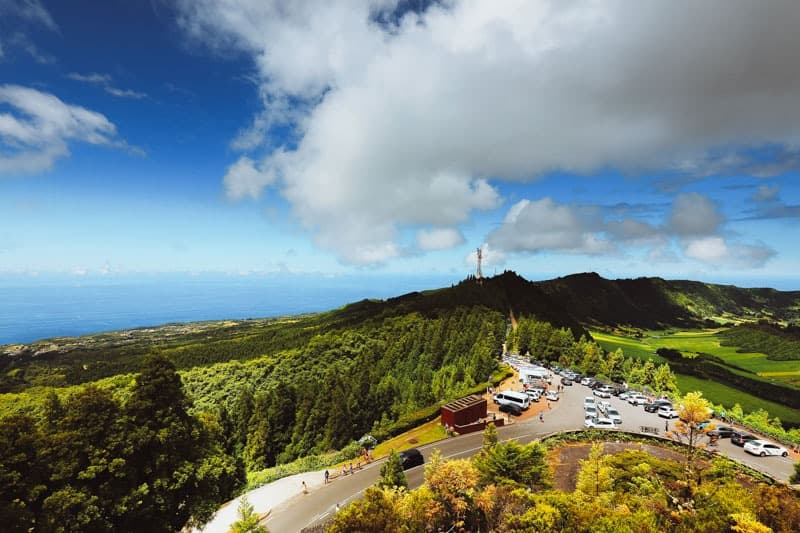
(409, 120)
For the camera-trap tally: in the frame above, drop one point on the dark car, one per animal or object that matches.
(653, 407)
(722, 432)
(740, 437)
(411, 458)
(511, 409)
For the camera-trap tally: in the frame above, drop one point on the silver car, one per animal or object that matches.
(614, 415)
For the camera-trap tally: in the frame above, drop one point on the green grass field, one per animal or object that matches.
(723, 395)
(705, 341)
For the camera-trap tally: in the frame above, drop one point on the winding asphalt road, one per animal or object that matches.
(316, 507)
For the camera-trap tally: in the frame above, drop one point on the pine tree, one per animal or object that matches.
(511, 463)
(392, 474)
(594, 477)
(248, 519)
(180, 472)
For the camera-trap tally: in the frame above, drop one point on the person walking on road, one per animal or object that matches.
(327, 475)
(305, 489)
(541, 417)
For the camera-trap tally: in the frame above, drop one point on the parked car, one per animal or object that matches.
(599, 423)
(511, 409)
(586, 381)
(637, 400)
(589, 412)
(552, 395)
(533, 395)
(588, 401)
(722, 432)
(614, 415)
(764, 447)
(653, 407)
(604, 406)
(601, 393)
(566, 382)
(666, 411)
(411, 458)
(740, 437)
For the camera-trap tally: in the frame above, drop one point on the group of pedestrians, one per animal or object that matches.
(350, 468)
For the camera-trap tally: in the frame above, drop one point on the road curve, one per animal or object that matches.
(305, 510)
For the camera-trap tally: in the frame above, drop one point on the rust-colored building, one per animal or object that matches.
(464, 412)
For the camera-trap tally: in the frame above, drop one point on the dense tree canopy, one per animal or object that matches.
(629, 491)
(94, 464)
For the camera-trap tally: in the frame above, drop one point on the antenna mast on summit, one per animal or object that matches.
(479, 273)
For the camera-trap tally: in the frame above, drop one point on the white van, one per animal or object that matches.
(520, 399)
(531, 375)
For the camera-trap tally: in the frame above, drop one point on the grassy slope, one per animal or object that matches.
(723, 395)
(704, 341)
(701, 341)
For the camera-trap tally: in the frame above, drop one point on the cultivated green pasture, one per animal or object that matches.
(692, 342)
(630, 346)
(705, 341)
(721, 394)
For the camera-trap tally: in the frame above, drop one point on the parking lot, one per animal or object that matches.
(568, 413)
(634, 418)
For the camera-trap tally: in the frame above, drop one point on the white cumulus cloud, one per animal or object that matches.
(715, 251)
(38, 129)
(693, 225)
(406, 123)
(243, 179)
(534, 226)
(439, 238)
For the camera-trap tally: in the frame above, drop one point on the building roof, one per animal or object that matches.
(463, 403)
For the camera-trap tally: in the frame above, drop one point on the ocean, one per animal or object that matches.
(43, 309)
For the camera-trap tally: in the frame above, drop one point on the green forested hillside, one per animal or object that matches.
(655, 303)
(264, 392)
(93, 463)
(778, 343)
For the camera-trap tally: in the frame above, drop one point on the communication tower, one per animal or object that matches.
(479, 273)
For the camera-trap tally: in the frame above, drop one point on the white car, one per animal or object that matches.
(604, 406)
(600, 393)
(599, 423)
(764, 447)
(637, 400)
(533, 395)
(589, 412)
(614, 415)
(667, 411)
(552, 395)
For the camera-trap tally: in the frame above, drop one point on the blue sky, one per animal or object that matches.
(263, 137)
